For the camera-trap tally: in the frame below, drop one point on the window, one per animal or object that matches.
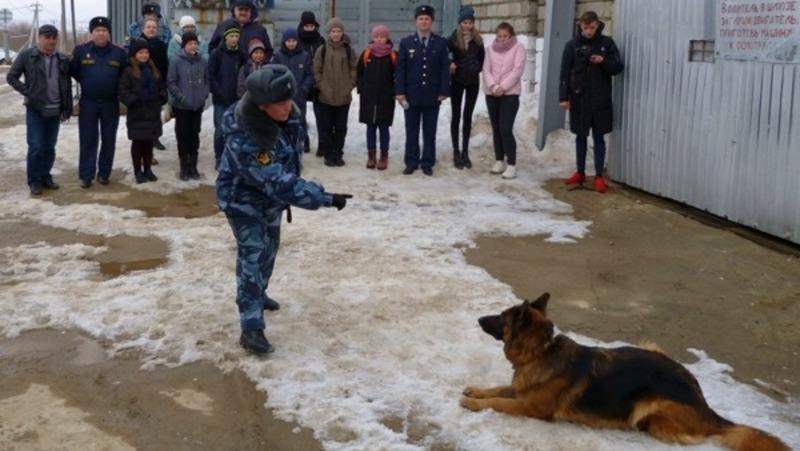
(701, 51)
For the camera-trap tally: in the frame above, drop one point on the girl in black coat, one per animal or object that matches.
(143, 90)
(158, 53)
(466, 48)
(375, 83)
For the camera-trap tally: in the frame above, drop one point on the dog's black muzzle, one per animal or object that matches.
(492, 325)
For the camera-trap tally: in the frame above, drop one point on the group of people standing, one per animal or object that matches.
(159, 74)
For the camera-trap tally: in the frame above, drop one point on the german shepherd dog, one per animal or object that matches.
(625, 388)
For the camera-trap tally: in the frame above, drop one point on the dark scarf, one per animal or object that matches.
(309, 37)
(380, 50)
(149, 91)
(503, 47)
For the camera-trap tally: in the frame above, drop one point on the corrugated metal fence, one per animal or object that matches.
(722, 136)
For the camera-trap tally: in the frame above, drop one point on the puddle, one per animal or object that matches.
(123, 254)
(195, 203)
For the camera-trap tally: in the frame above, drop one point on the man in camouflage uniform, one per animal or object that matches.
(259, 177)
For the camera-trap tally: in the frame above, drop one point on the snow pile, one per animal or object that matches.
(377, 334)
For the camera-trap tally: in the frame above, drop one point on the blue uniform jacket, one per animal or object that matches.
(423, 73)
(98, 69)
(259, 172)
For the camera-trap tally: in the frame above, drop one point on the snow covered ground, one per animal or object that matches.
(377, 334)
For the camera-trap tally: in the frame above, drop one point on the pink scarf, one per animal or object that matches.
(503, 47)
(380, 50)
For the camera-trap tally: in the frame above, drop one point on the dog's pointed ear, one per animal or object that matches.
(541, 303)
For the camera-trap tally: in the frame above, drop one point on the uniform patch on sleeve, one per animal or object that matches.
(263, 158)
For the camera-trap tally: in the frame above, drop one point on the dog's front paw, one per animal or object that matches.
(471, 404)
(473, 392)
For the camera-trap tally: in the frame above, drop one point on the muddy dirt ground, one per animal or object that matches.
(651, 270)
(646, 271)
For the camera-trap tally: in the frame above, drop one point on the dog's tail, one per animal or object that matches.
(744, 438)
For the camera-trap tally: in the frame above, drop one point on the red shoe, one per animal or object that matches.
(576, 178)
(600, 185)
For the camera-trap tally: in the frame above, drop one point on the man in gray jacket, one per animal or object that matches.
(48, 100)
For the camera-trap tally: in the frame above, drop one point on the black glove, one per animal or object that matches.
(340, 200)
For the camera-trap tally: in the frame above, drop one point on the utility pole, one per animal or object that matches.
(6, 16)
(63, 42)
(74, 28)
(35, 26)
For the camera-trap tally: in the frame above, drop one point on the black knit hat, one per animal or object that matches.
(424, 10)
(308, 17)
(188, 37)
(272, 83)
(151, 8)
(100, 21)
(138, 44)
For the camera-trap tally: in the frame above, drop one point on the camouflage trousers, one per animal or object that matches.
(257, 241)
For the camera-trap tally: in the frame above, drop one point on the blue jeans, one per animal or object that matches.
(42, 138)
(98, 120)
(372, 132)
(428, 115)
(219, 143)
(581, 147)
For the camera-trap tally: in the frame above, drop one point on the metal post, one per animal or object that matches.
(558, 28)
(63, 43)
(6, 43)
(74, 29)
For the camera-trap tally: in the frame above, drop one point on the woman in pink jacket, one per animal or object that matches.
(502, 81)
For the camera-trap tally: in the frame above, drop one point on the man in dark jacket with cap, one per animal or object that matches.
(422, 82)
(97, 65)
(48, 101)
(588, 63)
(259, 178)
(311, 40)
(244, 15)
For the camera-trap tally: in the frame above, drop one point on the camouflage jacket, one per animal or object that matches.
(259, 171)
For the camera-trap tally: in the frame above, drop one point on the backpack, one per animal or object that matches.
(346, 46)
(368, 53)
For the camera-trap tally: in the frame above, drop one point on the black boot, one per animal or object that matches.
(255, 342)
(465, 153)
(157, 144)
(184, 174)
(193, 173)
(139, 175)
(457, 162)
(148, 173)
(271, 304)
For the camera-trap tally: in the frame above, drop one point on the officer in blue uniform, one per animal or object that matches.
(422, 82)
(259, 178)
(97, 66)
